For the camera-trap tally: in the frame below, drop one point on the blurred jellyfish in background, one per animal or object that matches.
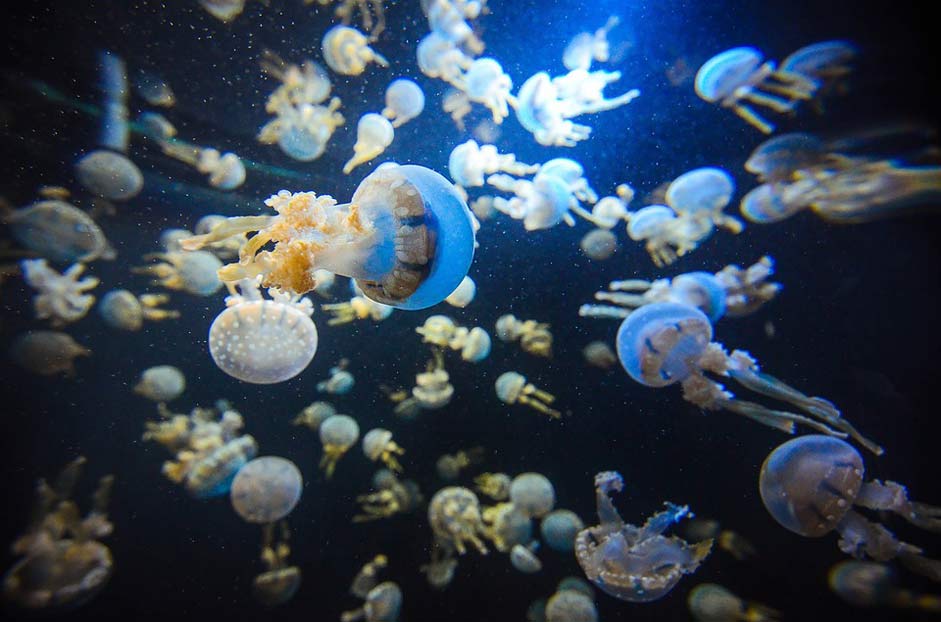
(314, 415)
(374, 134)
(226, 171)
(340, 381)
(223, 10)
(559, 528)
(391, 496)
(513, 388)
(280, 581)
(869, 584)
(193, 272)
(524, 559)
(599, 354)
(266, 489)
(727, 540)
(154, 89)
(449, 466)
(60, 298)
(439, 571)
(337, 435)
(534, 337)
(123, 310)
(599, 244)
(710, 602)
(506, 526)
(47, 352)
(532, 494)
(372, 13)
(464, 294)
(494, 485)
(379, 446)
(469, 163)
(58, 231)
(586, 47)
(383, 600)
(571, 606)
(163, 383)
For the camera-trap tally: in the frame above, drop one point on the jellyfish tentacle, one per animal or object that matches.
(893, 497)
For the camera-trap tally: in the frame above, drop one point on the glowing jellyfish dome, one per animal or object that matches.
(266, 489)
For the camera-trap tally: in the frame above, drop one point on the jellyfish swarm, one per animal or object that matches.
(665, 343)
(636, 564)
(61, 298)
(266, 489)
(810, 484)
(406, 237)
(263, 341)
(710, 602)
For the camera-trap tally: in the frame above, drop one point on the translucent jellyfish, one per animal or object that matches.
(532, 494)
(378, 445)
(483, 208)
(392, 496)
(469, 162)
(439, 57)
(433, 388)
(263, 341)
(58, 231)
(780, 158)
(729, 541)
(121, 309)
(404, 101)
(464, 294)
(702, 194)
(524, 558)
(406, 237)
(586, 47)
(576, 584)
(109, 175)
(62, 563)
(666, 235)
(163, 383)
(559, 528)
(454, 514)
(226, 171)
(486, 83)
(372, 14)
(737, 78)
(337, 434)
(599, 354)
(194, 272)
(439, 572)
(636, 564)
(709, 602)
(154, 89)
(223, 10)
(226, 249)
(374, 134)
(368, 576)
(61, 298)
(512, 388)
(307, 83)
(266, 489)
(449, 466)
(278, 584)
(156, 125)
(340, 381)
(581, 92)
(507, 526)
(534, 337)
(474, 344)
(868, 584)
(541, 203)
(611, 210)
(827, 63)
(448, 19)
(315, 414)
(571, 606)
(383, 603)
(437, 330)
(301, 130)
(170, 239)
(347, 51)
(494, 485)
(810, 484)
(112, 82)
(325, 280)
(599, 244)
(665, 343)
(357, 308)
(47, 352)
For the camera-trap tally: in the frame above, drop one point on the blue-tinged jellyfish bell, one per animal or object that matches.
(407, 238)
(636, 564)
(665, 343)
(810, 484)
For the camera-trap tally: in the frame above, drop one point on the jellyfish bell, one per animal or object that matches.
(703, 291)
(58, 231)
(647, 220)
(778, 158)
(816, 60)
(723, 73)
(109, 174)
(767, 204)
(702, 190)
(266, 489)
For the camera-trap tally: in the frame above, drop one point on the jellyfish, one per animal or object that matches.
(571, 606)
(524, 558)
(586, 47)
(447, 19)
(486, 83)
(439, 572)
(869, 584)
(383, 603)
(263, 341)
(115, 132)
(266, 489)
(810, 484)
(702, 194)
(599, 244)
(226, 171)
(534, 337)
(474, 344)
(449, 466)
(664, 343)
(710, 602)
(454, 514)
(378, 445)
(371, 11)
(581, 92)
(225, 249)
(737, 78)
(315, 414)
(494, 485)
(506, 526)
(337, 434)
(340, 381)
(109, 175)
(407, 238)
(827, 63)
(512, 388)
(729, 541)
(154, 89)
(347, 51)
(576, 584)
(559, 528)
(532, 494)
(301, 130)
(599, 354)
(307, 83)
(278, 584)
(58, 231)
(163, 383)
(393, 496)
(636, 564)
(541, 203)
(469, 162)
(439, 57)
(123, 310)
(464, 294)
(433, 388)
(404, 101)
(61, 298)
(62, 563)
(223, 10)
(170, 239)
(611, 210)
(357, 308)
(192, 272)
(47, 352)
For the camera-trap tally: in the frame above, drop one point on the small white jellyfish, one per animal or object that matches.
(263, 341)
(440, 58)
(226, 171)
(524, 558)
(110, 175)
(61, 298)
(340, 381)
(374, 134)
(337, 434)
(464, 294)
(433, 388)
(404, 101)
(378, 445)
(315, 414)
(303, 130)
(357, 308)
(586, 47)
(162, 383)
(194, 272)
(266, 489)
(572, 174)
(121, 309)
(599, 244)
(474, 344)
(47, 352)
(599, 354)
(469, 162)
(541, 203)
(702, 194)
(611, 210)
(448, 19)
(325, 280)
(347, 51)
(486, 83)
(532, 494)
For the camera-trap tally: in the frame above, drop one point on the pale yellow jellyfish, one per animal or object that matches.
(464, 294)
(470, 162)
(279, 582)
(729, 541)
(454, 514)
(357, 308)
(223, 10)
(458, 105)
(532, 494)
(383, 603)
(303, 130)
(534, 337)
(266, 489)
(494, 485)
(512, 388)
(223, 249)
(599, 354)
(486, 83)
(371, 11)
(404, 101)
(709, 602)
(121, 309)
(307, 83)
(58, 231)
(162, 383)
(507, 526)
(325, 280)
(524, 558)
(378, 445)
(337, 434)
(347, 51)
(315, 414)
(437, 330)
(194, 272)
(226, 171)
(61, 298)
(109, 175)
(449, 466)
(340, 381)
(599, 244)
(448, 19)
(374, 134)
(433, 388)
(392, 496)
(47, 352)
(368, 576)
(483, 208)
(474, 344)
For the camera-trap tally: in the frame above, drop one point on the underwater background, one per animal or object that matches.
(856, 321)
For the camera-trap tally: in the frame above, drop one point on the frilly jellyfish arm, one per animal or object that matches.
(777, 419)
(661, 521)
(893, 497)
(606, 483)
(862, 538)
(226, 229)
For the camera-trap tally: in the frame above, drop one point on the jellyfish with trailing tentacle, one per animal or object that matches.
(486, 83)
(337, 434)
(347, 51)
(279, 582)
(404, 101)
(513, 388)
(870, 584)
(810, 484)
(469, 162)
(636, 564)
(374, 134)
(407, 238)
(454, 514)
